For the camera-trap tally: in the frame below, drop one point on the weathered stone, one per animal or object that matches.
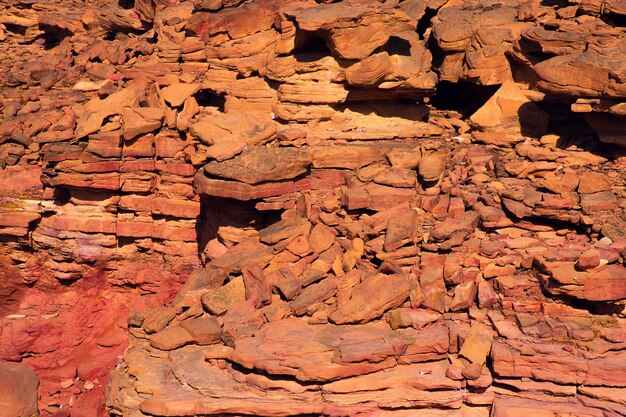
(464, 296)
(400, 231)
(141, 120)
(176, 94)
(602, 284)
(556, 364)
(246, 129)
(97, 110)
(171, 338)
(219, 301)
(433, 288)
(517, 407)
(204, 331)
(510, 111)
(351, 41)
(257, 286)
(371, 298)
(477, 344)
(454, 230)
(431, 166)
(406, 317)
(259, 164)
(321, 238)
(593, 182)
(309, 299)
(18, 390)
(279, 349)
(285, 229)
(589, 259)
(160, 318)
(142, 140)
(475, 39)
(602, 201)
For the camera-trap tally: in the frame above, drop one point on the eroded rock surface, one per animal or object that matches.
(18, 390)
(439, 299)
(349, 239)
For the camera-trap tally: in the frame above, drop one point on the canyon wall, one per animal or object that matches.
(223, 207)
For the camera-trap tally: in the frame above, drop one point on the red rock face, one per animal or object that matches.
(73, 336)
(257, 208)
(68, 284)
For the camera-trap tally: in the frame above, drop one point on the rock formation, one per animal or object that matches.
(342, 208)
(18, 390)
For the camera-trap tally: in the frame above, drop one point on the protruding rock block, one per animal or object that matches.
(371, 298)
(605, 283)
(510, 111)
(258, 164)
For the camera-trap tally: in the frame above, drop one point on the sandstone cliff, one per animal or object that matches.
(278, 207)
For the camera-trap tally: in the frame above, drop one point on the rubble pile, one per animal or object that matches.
(434, 274)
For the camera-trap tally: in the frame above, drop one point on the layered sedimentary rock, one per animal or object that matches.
(572, 53)
(419, 280)
(579, 58)
(346, 248)
(473, 39)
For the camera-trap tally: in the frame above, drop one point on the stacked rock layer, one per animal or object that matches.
(351, 240)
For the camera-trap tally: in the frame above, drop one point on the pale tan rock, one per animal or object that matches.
(321, 238)
(477, 344)
(219, 301)
(176, 94)
(96, 110)
(141, 120)
(258, 164)
(510, 111)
